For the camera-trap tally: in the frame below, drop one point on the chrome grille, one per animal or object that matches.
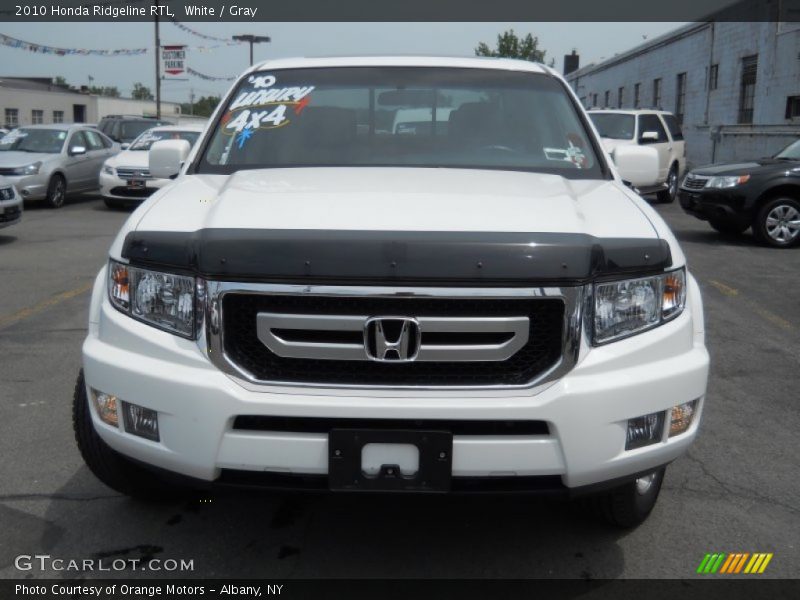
(321, 336)
(133, 173)
(695, 182)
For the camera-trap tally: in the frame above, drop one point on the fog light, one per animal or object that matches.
(140, 421)
(644, 430)
(106, 406)
(682, 417)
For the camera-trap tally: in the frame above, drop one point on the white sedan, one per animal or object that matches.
(125, 178)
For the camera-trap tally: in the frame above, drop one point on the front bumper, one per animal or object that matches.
(116, 188)
(10, 211)
(586, 411)
(30, 187)
(715, 204)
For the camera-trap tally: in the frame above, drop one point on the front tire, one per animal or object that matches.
(668, 195)
(56, 191)
(630, 504)
(108, 465)
(777, 223)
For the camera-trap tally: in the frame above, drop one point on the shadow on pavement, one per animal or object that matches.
(261, 534)
(7, 239)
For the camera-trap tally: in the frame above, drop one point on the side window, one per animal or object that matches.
(78, 139)
(107, 143)
(674, 127)
(93, 138)
(649, 123)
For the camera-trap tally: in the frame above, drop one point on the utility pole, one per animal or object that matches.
(252, 39)
(191, 102)
(158, 70)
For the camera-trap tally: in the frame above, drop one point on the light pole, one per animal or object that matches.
(252, 39)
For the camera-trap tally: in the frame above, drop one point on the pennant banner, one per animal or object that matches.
(191, 71)
(228, 41)
(11, 42)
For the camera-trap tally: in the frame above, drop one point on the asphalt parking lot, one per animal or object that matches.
(736, 491)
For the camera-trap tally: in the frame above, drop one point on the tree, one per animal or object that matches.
(202, 108)
(110, 91)
(510, 45)
(60, 81)
(141, 92)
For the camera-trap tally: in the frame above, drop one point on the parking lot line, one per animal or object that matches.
(765, 314)
(44, 305)
(725, 289)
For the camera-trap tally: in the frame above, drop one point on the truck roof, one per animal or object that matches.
(469, 62)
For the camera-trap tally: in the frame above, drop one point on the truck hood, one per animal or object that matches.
(396, 199)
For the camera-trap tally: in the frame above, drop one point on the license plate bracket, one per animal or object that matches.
(136, 184)
(345, 471)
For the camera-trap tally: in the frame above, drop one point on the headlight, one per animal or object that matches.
(164, 300)
(28, 170)
(108, 170)
(727, 181)
(623, 308)
(7, 193)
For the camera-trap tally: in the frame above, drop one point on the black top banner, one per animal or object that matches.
(408, 10)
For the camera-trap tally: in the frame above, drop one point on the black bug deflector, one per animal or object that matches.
(408, 257)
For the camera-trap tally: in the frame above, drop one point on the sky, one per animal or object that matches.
(593, 42)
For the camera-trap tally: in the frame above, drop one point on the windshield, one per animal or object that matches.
(792, 151)
(614, 126)
(130, 129)
(400, 116)
(148, 138)
(49, 141)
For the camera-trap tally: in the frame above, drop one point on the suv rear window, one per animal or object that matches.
(673, 126)
(401, 116)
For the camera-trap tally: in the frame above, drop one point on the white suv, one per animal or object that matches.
(658, 129)
(320, 301)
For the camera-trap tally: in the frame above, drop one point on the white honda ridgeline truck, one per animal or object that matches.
(474, 301)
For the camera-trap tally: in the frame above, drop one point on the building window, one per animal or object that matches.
(37, 117)
(58, 116)
(680, 96)
(657, 93)
(793, 107)
(608, 97)
(594, 100)
(636, 95)
(713, 77)
(12, 117)
(747, 90)
(620, 96)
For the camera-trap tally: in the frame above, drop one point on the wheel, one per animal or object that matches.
(113, 204)
(728, 227)
(109, 466)
(630, 504)
(778, 223)
(668, 195)
(56, 191)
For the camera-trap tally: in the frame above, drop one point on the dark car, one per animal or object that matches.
(763, 194)
(125, 128)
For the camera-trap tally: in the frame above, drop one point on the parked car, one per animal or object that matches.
(123, 129)
(314, 304)
(10, 204)
(48, 162)
(658, 129)
(763, 194)
(125, 178)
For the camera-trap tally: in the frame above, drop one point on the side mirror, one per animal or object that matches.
(125, 146)
(167, 157)
(637, 165)
(648, 137)
(77, 150)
